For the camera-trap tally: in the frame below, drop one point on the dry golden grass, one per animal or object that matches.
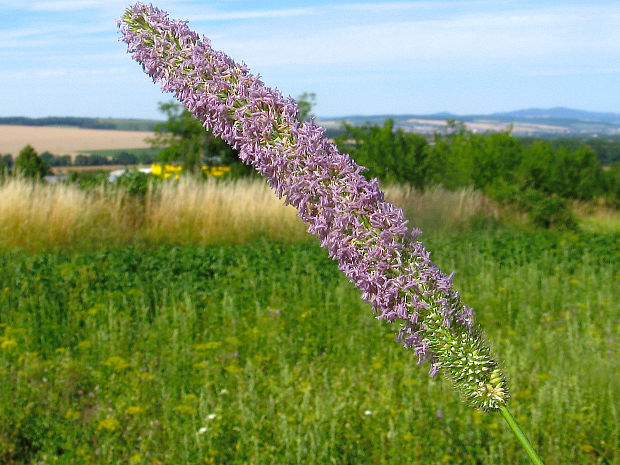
(438, 210)
(195, 212)
(37, 216)
(41, 217)
(597, 217)
(65, 140)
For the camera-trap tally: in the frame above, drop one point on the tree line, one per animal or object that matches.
(90, 123)
(82, 122)
(539, 176)
(119, 158)
(607, 148)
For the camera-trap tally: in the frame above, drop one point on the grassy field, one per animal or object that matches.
(263, 353)
(200, 325)
(597, 218)
(68, 140)
(38, 217)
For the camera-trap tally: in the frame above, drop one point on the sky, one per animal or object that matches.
(63, 57)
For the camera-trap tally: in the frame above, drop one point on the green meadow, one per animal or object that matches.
(252, 348)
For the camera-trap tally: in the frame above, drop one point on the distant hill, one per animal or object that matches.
(540, 122)
(551, 122)
(561, 113)
(82, 122)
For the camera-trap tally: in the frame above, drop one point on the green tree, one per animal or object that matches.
(535, 169)
(125, 158)
(29, 164)
(611, 180)
(450, 158)
(4, 171)
(47, 158)
(81, 160)
(496, 156)
(7, 160)
(305, 103)
(577, 174)
(182, 138)
(393, 156)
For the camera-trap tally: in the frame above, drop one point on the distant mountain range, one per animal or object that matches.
(549, 122)
(543, 122)
(561, 113)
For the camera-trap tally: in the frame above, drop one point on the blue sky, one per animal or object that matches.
(63, 58)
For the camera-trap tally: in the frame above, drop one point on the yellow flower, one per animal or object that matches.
(232, 369)
(8, 344)
(134, 410)
(109, 424)
(186, 409)
(117, 363)
(207, 345)
(72, 415)
(84, 345)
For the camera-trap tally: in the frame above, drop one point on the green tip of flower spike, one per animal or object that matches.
(468, 363)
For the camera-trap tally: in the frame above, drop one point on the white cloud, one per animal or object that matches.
(475, 38)
(342, 48)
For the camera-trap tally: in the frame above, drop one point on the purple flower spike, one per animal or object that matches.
(366, 235)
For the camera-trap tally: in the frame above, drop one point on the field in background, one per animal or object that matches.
(68, 140)
(39, 217)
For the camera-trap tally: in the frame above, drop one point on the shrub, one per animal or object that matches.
(135, 183)
(547, 211)
(28, 164)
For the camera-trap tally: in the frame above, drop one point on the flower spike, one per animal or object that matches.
(367, 236)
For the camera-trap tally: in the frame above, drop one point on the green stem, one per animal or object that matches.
(521, 436)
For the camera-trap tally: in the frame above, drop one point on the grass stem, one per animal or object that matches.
(520, 435)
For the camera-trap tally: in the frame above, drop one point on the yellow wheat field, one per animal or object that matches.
(66, 140)
(38, 216)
